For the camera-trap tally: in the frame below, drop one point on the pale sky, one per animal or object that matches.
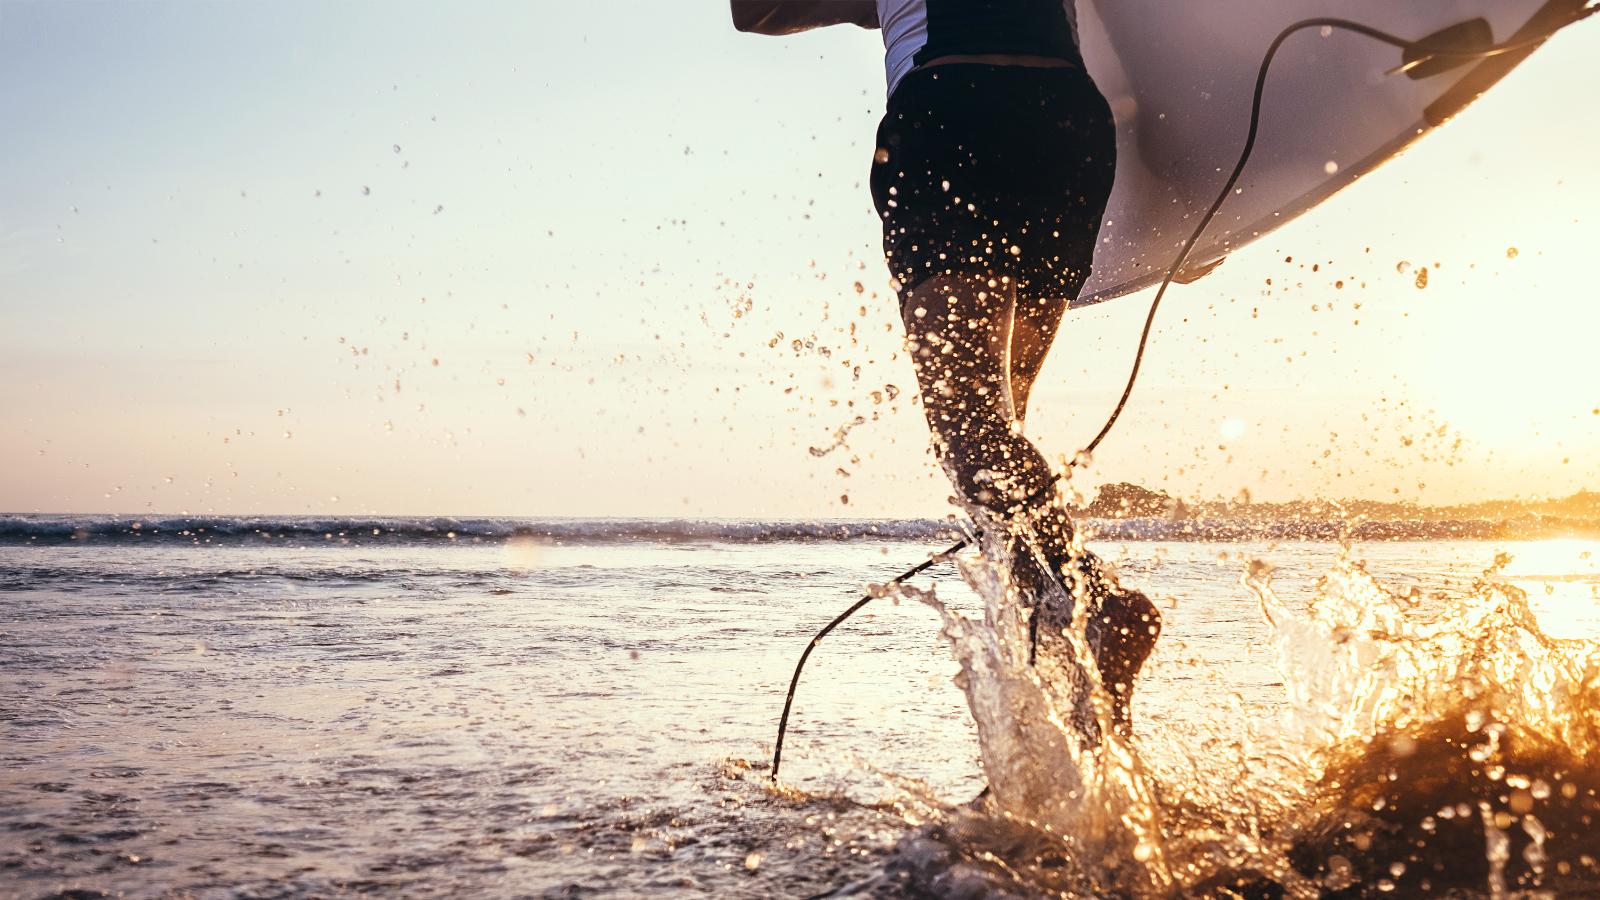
(235, 238)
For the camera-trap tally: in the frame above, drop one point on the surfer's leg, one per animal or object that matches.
(1034, 321)
(1124, 627)
(959, 331)
(1123, 624)
(958, 328)
(983, 174)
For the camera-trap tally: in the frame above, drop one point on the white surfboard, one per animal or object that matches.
(1180, 76)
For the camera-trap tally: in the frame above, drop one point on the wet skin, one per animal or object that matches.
(978, 346)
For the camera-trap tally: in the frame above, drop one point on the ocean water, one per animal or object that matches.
(285, 708)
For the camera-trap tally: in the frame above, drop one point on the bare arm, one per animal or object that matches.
(791, 16)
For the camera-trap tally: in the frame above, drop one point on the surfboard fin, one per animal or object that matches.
(1423, 58)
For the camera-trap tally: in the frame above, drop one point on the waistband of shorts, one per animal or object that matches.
(1013, 74)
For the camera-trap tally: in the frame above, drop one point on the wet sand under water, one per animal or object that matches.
(506, 719)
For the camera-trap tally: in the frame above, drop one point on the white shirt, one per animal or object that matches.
(904, 24)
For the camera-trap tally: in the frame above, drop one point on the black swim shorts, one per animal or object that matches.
(994, 170)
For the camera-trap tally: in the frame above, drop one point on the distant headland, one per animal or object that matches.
(1127, 509)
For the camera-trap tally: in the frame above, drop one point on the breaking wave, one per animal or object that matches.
(392, 529)
(36, 528)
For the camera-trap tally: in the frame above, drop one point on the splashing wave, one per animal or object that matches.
(1431, 744)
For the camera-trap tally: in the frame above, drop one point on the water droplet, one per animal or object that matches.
(1330, 167)
(1422, 278)
(1521, 802)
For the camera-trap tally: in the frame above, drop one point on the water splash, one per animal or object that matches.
(1451, 744)
(1071, 791)
(1362, 658)
(1431, 743)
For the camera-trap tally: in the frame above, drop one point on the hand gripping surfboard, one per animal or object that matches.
(1180, 77)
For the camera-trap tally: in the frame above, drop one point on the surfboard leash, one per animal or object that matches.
(788, 701)
(1418, 51)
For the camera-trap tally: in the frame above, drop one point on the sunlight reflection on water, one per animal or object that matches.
(445, 718)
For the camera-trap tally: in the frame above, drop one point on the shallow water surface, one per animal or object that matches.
(516, 718)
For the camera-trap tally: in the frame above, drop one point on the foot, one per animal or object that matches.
(1122, 629)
